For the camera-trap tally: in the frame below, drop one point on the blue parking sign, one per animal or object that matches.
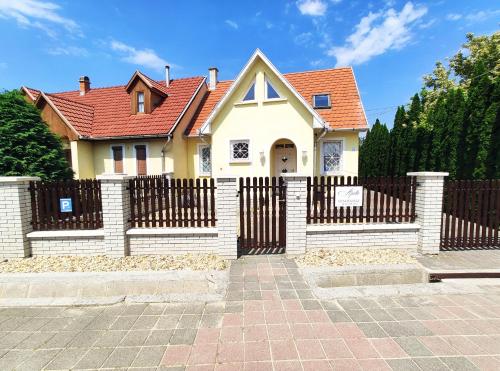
(66, 205)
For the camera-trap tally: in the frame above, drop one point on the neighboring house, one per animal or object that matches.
(261, 124)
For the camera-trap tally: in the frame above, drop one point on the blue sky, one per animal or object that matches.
(48, 44)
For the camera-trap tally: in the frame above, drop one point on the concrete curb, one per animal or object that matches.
(106, 288)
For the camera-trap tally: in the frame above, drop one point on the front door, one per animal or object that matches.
(285, 158)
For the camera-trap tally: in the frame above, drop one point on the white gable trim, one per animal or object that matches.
(318, 122)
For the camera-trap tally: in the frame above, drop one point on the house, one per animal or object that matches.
(261, 124)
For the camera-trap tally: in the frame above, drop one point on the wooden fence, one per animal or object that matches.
(48, 213)
(262, 225)
(385, 200)
(157, 201)
(471, 215)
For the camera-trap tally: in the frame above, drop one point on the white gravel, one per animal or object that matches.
(107, 264)
(339, 258)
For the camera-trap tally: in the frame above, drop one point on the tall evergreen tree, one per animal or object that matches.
(374, 152)
(27, 147)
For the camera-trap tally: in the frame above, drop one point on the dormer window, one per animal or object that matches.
(140, 102)
(321, 101)
(250, 95)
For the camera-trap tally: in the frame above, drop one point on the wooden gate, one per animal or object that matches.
(262, 216)
(471, 215)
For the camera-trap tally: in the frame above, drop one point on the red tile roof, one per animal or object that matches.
(105, 112)
(346, 110)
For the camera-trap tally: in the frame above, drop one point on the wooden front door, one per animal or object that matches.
(285, 159)
(140, 154)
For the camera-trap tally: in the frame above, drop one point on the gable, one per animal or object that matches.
(262, 118)
(259, 57)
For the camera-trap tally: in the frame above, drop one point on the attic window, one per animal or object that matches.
(271, 92)
(321, 101)
(140, 102)
(250, 95)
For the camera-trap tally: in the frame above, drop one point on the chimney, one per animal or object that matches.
(167, 75)
(212, 78)
(84, 85)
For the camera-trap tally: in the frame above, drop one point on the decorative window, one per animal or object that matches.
(140, 102)
(240, 150)
(331, 156)
(271, 92)
(250, 95)
(321, 101)
(205, 158)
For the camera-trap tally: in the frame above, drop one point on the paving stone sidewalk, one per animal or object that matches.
(270, 320)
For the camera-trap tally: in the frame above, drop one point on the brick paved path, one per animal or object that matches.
(270, 320)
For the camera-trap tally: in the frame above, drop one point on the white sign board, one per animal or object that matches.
(348, 196)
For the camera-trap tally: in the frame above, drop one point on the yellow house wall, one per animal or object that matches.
(350, 155)
(263, 123)
(82, 160)
(103, 157)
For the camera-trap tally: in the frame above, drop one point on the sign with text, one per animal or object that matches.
(66, 205)
(348, 196)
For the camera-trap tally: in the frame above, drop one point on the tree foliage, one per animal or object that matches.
(27, 147)
(453, 124)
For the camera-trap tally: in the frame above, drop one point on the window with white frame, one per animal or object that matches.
(250, 95)
(205, 158)
(271, 92)
(140, 102)
(331, 152)
(321, 101)
(240, 150)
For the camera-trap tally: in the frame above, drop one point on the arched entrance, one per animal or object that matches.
(283, 157)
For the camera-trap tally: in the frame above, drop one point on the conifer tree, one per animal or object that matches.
(27, 147)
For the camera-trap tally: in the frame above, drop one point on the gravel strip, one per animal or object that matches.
(339, 258)
(107, 264)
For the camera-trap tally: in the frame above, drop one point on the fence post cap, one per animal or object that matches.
(17, 179)
(428, 173)
(114, 177)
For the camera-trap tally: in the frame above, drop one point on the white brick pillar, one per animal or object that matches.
(296, 212)
(429, 209)
(15, 216)
(115, 213)
(226, 209)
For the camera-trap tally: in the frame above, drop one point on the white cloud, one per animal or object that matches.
(231, 24)
(377, 33)
(475, 17)
(74, 51)
(304, 38)
(482, 15)
(312, 7)
(37, 14)
(453, 16)
(142, 57)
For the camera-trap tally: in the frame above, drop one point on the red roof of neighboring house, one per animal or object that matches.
(105, 112)
(346, 111)
(32, 92)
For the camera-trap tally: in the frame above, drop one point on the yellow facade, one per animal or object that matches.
(264, 123)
